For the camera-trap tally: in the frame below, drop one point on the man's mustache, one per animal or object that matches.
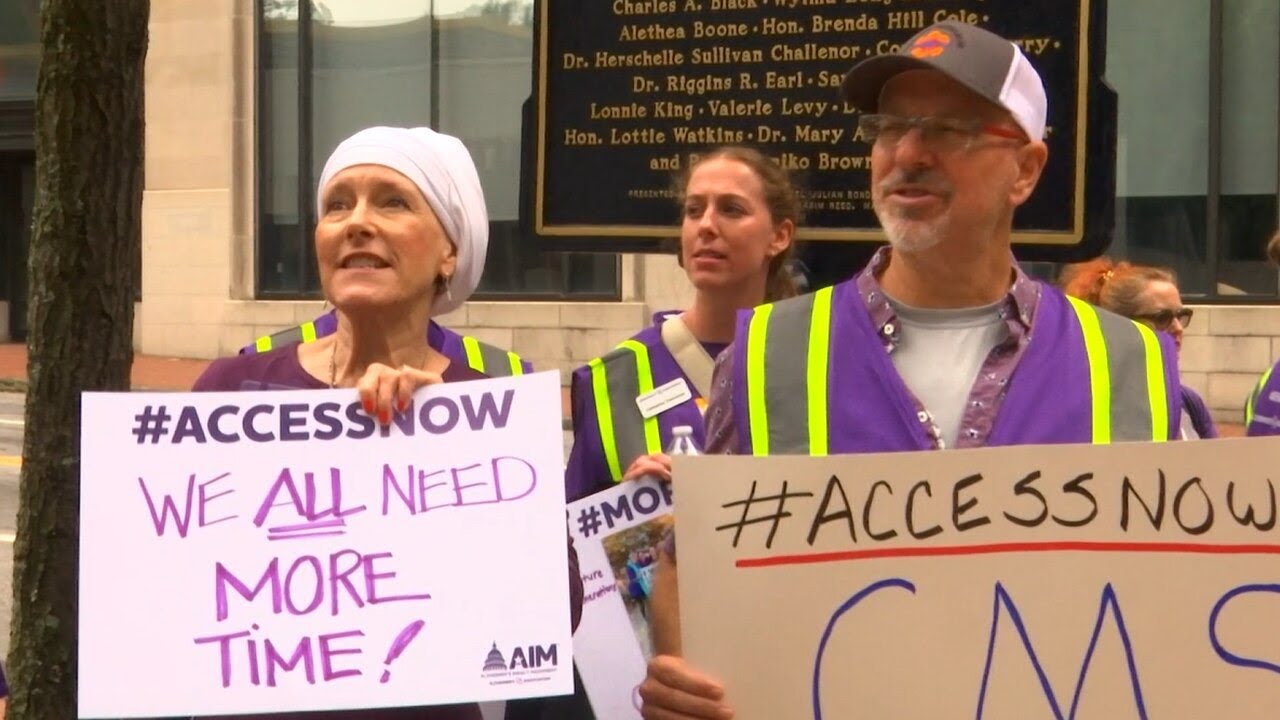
(927, 180)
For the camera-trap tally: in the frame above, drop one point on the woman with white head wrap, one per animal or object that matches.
(440, 168)
(401, 237)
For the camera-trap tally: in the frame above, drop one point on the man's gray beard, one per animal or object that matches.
(911, 236)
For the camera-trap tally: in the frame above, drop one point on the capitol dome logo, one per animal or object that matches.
(527, 663)
(495, 662)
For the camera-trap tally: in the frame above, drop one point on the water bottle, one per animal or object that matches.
(682, 442)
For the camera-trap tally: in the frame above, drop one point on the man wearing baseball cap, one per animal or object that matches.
(942, 341)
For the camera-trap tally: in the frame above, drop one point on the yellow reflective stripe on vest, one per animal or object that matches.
(780, 377)
(490, 360)
(1156, 391)
(618, 417)
(517, 368)
(1099, 370)
(757, 411)
(1253, 396)
(305, 332)
(819, 357)
(604, 417)
(652, 439)
(1123, 388)
(475, 359)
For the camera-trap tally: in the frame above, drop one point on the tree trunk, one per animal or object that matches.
(83, 266)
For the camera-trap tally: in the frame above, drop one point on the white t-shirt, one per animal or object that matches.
(939, 354)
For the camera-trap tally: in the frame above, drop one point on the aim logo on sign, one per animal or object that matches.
(531, 660)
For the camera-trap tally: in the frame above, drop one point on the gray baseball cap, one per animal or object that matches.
(979, 59)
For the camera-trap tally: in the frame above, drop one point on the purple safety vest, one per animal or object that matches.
(588, 469)
(1262, 414)
(870, 409)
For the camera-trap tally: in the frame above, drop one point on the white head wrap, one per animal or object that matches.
(443, 170)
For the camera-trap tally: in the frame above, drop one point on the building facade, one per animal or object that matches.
(245, 99)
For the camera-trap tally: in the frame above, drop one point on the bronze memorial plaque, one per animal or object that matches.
(628, 92)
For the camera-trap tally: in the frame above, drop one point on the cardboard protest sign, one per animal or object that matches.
(616, 533)
(1121, 581)
(261, 552)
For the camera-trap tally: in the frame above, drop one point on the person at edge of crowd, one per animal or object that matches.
(1262, 409)
(1150, 296)
(942, 341)
(401, 237)
(740, 214)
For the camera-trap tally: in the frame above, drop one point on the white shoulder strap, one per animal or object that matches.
(689, 354)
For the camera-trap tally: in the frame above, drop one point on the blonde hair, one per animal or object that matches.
(1114, 286)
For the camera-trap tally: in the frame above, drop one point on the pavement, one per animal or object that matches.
(149, 372)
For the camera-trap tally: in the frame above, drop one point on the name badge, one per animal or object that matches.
(663, 398)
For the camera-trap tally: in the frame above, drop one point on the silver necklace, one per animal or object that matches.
(333, 364)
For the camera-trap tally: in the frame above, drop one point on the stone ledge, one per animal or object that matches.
(1228, 392)
(1244, 320)
(1225, 353)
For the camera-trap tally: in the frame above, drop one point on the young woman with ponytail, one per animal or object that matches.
(739, 213)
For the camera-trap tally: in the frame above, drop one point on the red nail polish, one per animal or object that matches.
(384, 417)
(402, 405)
(368, 407)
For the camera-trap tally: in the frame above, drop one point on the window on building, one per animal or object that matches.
(1197, 162)
(1250, 172)
(19, 49)
(463, 67)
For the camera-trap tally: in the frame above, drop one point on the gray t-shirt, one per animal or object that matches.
(939, 354)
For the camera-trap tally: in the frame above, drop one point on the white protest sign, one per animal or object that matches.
(1122, 581)
(275, 551)
(616, 533)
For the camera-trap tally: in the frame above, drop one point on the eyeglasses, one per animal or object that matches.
(1164, 318)
(941, 134)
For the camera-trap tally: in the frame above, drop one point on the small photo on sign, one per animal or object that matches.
(633, 556)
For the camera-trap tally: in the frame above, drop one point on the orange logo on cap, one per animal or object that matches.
(931, 44)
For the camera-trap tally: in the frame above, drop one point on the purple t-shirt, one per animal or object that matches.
(280, 370)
